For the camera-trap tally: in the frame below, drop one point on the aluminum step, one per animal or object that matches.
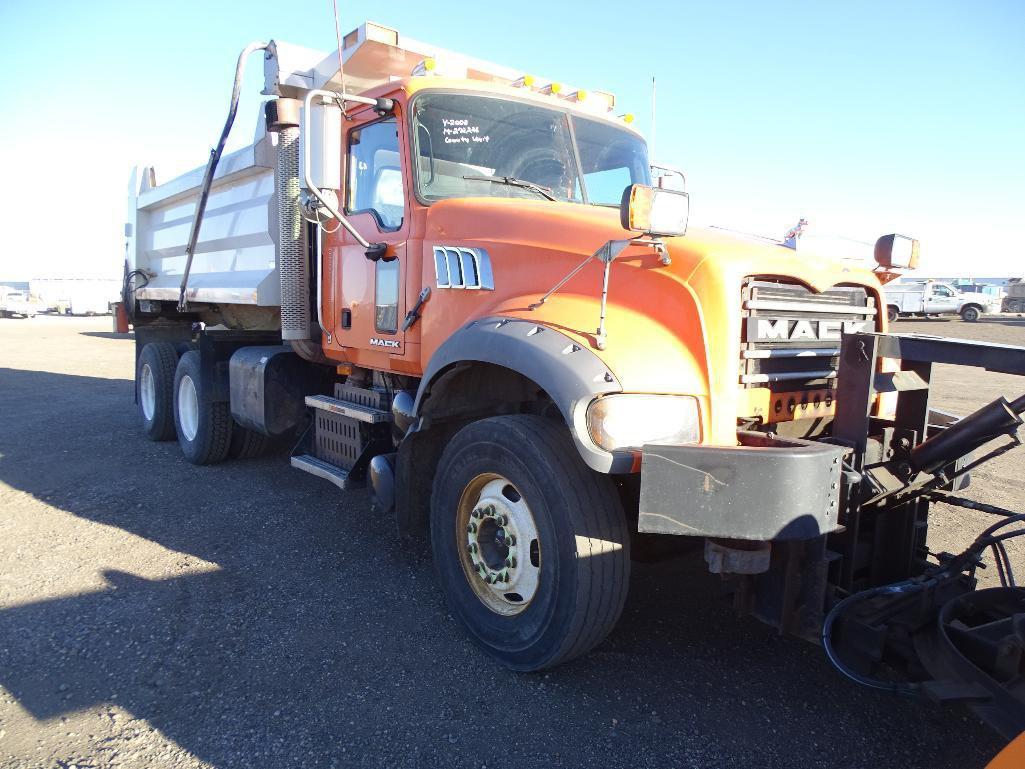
(310, 464)
(346, 409)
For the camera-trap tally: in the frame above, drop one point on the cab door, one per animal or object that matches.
(367, 296)
(940, 299)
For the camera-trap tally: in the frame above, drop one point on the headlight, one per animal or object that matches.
(630, 421)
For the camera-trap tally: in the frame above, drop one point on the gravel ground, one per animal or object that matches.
(155, 614)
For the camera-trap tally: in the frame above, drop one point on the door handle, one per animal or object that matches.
(414, 314)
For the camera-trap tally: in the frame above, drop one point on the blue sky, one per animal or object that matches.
(864, 117)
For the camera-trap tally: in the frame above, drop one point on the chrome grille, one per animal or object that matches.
(791, 335)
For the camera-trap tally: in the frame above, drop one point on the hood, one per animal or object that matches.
(672, 328)
(578, 229)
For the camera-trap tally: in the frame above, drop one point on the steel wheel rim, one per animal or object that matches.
(147, 392)
(498, 544)
(188, 407)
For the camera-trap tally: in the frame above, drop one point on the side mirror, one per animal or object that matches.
(654, 211)
(897, 252)
(668, 177)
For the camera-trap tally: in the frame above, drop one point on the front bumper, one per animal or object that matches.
(764, 489)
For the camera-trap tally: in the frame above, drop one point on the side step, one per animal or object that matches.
(322, 469)
(346, 432)
(355, 411)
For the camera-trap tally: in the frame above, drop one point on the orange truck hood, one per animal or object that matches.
(671, 328)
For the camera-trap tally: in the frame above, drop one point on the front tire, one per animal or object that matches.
(531, 547)
(204, 428)
(971, 313)
(892, 313)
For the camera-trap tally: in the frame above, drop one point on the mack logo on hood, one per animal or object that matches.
(800, 330)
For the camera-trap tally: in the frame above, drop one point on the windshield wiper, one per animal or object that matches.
(512, 181)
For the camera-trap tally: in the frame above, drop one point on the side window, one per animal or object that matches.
(386, 299)
(375, 175)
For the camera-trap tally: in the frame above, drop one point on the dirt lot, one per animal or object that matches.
(157, 614)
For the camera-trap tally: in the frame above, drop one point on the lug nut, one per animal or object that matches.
(501, 520)
(510, 539)
(471, 527)
(510, 562)
(473, 547)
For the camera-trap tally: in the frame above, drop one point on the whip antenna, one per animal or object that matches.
(338, 37)
(651, 142)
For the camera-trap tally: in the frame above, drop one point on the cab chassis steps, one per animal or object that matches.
(346, 432)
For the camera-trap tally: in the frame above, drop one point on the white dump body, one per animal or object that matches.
(235, 260)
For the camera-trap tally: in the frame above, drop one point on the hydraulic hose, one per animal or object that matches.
(211, 168)
(988, 538)
(897, 687)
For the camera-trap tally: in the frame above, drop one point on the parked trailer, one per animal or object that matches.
(455, 282)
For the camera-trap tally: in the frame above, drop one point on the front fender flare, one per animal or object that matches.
(567, 371)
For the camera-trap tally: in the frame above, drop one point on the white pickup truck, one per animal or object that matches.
(17, 303)
(928, 297)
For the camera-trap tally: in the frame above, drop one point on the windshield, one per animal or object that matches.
(499, 142)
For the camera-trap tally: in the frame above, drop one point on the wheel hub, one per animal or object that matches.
(501, 551)
(188, 407)
(147, 391)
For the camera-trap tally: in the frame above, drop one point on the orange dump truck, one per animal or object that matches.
(457, 283)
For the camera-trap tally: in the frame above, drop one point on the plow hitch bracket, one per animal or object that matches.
(892, 604)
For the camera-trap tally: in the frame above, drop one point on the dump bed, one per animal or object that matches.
(235, 260)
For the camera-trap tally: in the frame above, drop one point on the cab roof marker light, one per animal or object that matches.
(552, 88)
(427, 66)
(607, 97)
(526, 81)
(577, 95)
(627, 117)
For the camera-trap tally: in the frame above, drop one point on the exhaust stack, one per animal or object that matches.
(283, 119)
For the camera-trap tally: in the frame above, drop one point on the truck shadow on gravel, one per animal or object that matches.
(319, 641)
(107, 334)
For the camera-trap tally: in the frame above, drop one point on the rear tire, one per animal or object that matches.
(154, 382)
(204, 428)
(892, 314)
(549, 527)
(971, 313)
